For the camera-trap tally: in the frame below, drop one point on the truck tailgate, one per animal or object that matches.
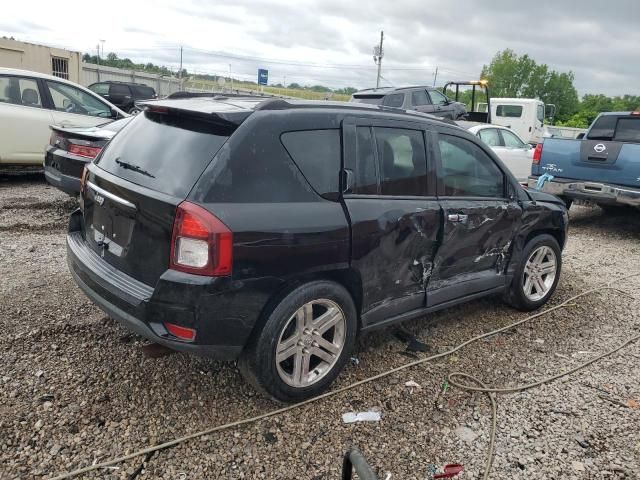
(600, 161)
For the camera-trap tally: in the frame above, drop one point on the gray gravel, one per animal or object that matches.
(76, 388)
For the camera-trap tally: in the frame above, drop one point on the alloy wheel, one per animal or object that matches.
(310, 343)
(539, 273)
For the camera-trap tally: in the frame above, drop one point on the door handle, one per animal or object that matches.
(457, 218)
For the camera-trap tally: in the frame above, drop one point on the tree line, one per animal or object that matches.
(511, 75)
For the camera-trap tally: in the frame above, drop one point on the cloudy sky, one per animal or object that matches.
(331, 42)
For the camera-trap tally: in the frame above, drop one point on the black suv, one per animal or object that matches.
(274, 232)
(421, 99)
(124, 95)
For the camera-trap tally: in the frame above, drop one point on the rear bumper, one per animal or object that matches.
(601, 193)
(66, 183)
(63, 170)
(221, 330)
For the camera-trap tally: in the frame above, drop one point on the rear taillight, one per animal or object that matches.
(83, 179)
(84, 150)
(183, 333)
(537, 153)
(200, 243)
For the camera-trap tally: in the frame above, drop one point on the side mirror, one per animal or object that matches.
(114, 114)
(580, 136)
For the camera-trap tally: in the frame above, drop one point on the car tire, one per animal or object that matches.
(534, 282)
(295, 330)
(134, 111)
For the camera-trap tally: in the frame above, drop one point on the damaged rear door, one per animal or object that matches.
(479, 220)
(394, 213)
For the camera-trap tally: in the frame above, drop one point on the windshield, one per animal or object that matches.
(163, 152)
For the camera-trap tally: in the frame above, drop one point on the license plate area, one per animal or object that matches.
(112, 223)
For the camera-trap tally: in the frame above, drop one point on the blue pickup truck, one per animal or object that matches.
(601, 168)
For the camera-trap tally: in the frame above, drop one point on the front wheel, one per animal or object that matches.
(304, 343)
(537, 275)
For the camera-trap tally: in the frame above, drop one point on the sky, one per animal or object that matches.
(330, 42)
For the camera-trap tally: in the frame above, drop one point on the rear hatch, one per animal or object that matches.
(132, 190)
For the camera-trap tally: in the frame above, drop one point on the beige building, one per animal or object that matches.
(39, 58)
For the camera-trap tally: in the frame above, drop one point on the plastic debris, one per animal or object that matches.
(413, 344)
(370, 416)
(412, 385)
(450, 471)
(355, 361)
(542, 180)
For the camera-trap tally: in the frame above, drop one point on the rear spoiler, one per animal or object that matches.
(81, 136)
(229, 120)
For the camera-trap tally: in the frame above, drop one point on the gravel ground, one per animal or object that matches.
(77, 388)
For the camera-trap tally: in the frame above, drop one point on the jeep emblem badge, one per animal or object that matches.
(600, 148)
(99, 199)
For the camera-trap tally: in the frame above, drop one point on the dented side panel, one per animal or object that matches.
(476, 245)
(394, 244)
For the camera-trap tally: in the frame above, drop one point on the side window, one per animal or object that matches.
(437, 98)
(100, 88)
(366, 177)
(540, 112)
(467, 171)
(20, 91)
(394, 100)
(117, 89)
(490, 137)
(402, 161)
(509, 111)
(144, 91)
(511, 140)
(317, 154)
(419, 97)
(73, 100)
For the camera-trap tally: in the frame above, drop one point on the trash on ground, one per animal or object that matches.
(370, 416)
(413, 344)
(412, 385)
(355, 361)
(450, 471)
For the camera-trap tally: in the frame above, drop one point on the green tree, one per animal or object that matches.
(510, 75)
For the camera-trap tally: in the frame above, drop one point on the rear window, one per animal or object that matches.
(612, 127)
(144, 91)
(510, 111)
(162, 152)
(317, 154)
(395, 100)
(628, 130)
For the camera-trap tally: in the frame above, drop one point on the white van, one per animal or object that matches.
(525, 116)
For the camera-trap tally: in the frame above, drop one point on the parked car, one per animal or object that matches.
(71, 148)
(602, 168)
(510, 148)
(274, 232)
(422, 99)
(31, 101)
(124, 94)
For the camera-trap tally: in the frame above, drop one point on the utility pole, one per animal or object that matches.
(378, 53)
(435, 77)
(102, 42)
(231, 78)
(180, 73)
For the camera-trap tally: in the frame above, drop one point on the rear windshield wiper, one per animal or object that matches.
(135, 168)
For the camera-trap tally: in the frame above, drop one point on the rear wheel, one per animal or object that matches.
(537, 275)
(304, 344)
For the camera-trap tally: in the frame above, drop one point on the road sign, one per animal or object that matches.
(263, 76)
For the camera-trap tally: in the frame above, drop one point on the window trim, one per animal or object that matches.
(479, 144)
(350, 155)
